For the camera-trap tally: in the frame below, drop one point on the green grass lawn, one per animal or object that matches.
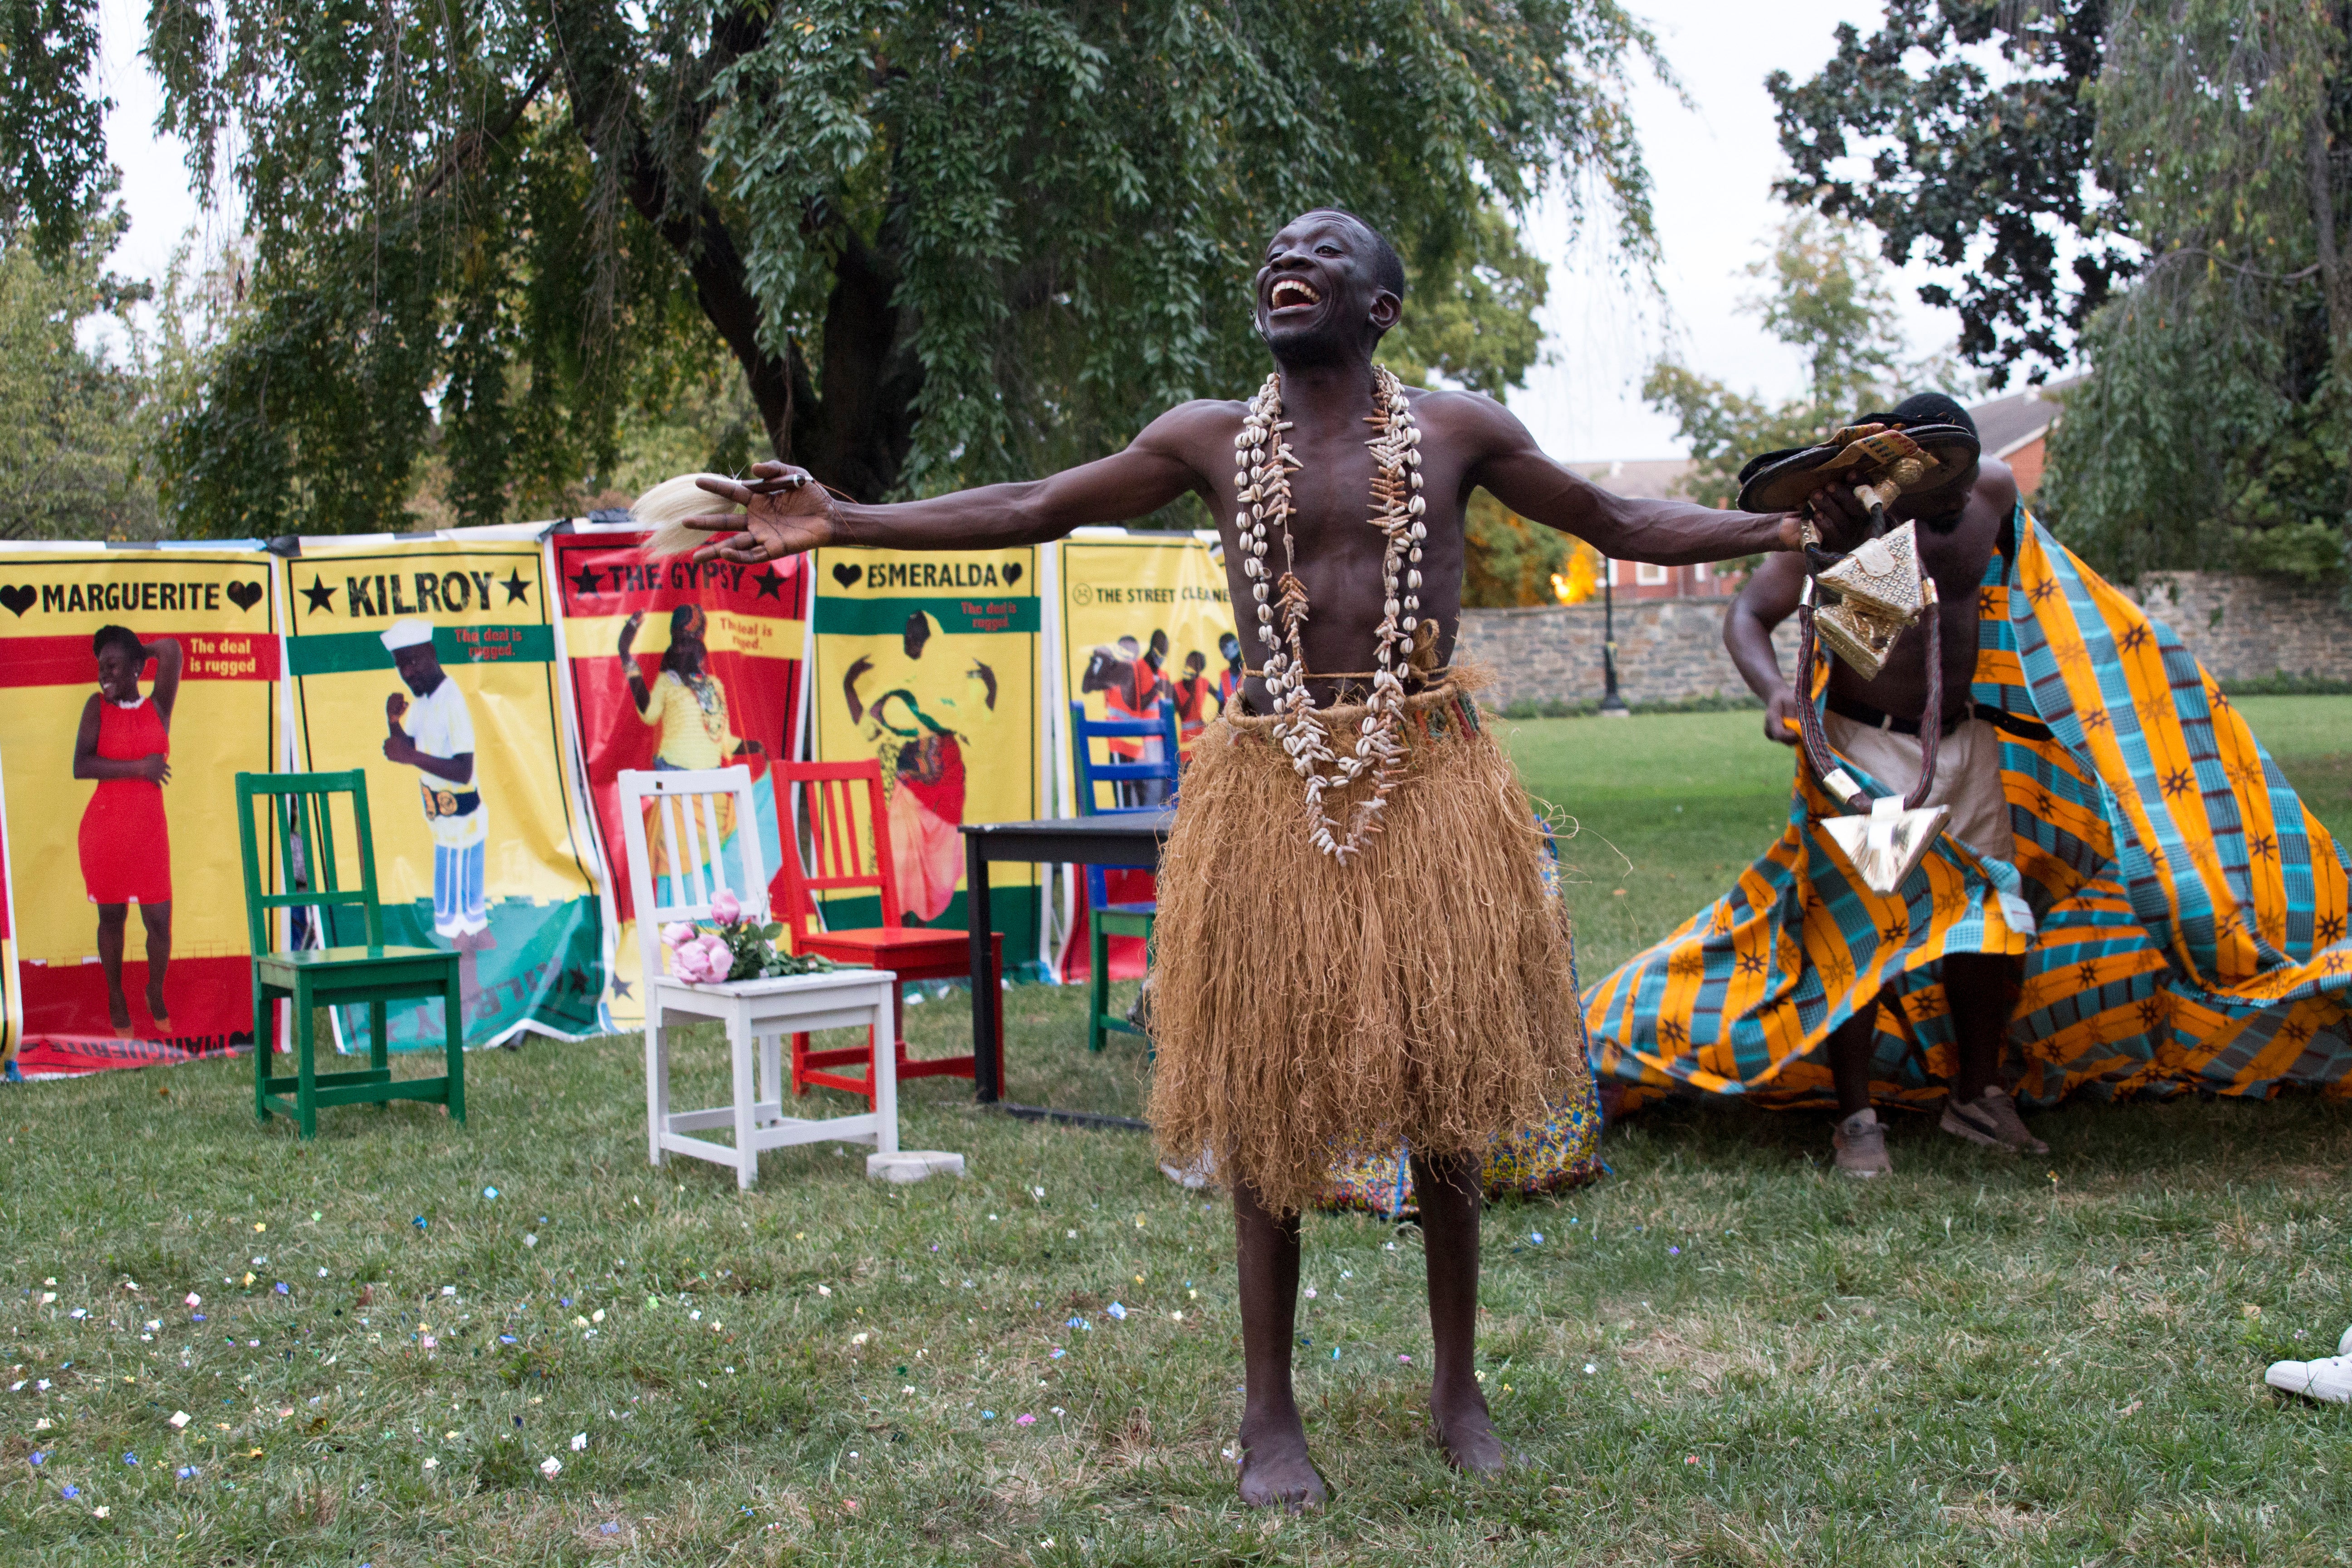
(1722, 1355)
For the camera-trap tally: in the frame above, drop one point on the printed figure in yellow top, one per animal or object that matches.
(434, 735)
(685, 702)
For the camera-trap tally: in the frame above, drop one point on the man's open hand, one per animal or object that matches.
(786, 511)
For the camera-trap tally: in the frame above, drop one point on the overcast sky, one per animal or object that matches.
(1713, 166)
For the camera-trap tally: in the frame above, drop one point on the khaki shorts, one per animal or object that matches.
(1968, 775)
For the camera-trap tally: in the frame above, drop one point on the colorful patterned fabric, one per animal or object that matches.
(2182, 915)
(1562, 1151)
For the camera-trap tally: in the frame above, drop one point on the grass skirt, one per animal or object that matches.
(1305, 1012)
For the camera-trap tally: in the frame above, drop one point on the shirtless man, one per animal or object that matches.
(1877, 724)
(1328, 287)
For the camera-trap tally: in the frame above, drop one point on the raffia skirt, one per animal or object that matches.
(1304, 1011)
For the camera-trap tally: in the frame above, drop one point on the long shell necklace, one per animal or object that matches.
(1264, 462)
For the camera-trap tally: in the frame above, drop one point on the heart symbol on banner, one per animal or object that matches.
(1012, 572)
(19, 600)
(848, 575)
(245, 595)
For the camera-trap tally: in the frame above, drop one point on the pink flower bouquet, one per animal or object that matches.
(729, 947)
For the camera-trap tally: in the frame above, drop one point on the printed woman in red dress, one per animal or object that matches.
(125, 743)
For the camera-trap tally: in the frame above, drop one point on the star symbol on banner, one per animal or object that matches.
(620, 990)
(584, 584)
(770, 581)
(322, 597)
(517, 591)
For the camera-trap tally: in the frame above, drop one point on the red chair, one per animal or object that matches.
(849, 855)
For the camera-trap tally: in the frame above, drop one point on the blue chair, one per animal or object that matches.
(1105, 918)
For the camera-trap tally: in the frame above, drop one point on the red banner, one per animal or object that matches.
(676, 665)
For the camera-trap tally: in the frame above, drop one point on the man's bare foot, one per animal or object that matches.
(1276, 1470)
(1466, 1432)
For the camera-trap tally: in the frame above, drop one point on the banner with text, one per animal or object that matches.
(1147, 629)
(928, 662)
(675, 663)
(141, 682)
(430, 664)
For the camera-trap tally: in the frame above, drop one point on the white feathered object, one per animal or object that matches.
(666, 505)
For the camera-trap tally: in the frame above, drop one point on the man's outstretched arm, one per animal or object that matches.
(1624, 528)
(1152, 471)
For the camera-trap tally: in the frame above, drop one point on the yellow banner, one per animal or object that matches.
(460, 736)
(929, 663)
(125, 880)
(1147, 628)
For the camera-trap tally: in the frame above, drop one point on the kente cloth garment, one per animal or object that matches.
(2180, 914)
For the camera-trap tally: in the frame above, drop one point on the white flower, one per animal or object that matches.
(432, 1464)
(857, 1339)
(597, 1316)
(579, 1442)
(550, 1466)
(179, 1419)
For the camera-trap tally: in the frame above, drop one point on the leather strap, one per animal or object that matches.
(1878, 719)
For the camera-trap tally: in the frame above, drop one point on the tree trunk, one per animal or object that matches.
(856, 437)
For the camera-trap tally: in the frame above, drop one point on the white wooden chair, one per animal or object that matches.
(758, 1014)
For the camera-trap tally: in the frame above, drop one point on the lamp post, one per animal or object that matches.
(1612, 705)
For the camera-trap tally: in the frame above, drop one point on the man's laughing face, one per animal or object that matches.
(1317, 296)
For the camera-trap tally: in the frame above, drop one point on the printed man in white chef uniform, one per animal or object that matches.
(435, 734)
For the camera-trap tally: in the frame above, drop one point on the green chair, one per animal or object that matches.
(1155, 783)
(300, 808)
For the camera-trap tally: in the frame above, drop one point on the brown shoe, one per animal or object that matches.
(1991, 1120)
(1861, 1145)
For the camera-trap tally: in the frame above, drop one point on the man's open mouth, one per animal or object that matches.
(1292, 294)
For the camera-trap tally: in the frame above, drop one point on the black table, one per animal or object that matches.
(1131, 839)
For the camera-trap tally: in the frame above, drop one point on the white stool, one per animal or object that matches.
(758, 1014)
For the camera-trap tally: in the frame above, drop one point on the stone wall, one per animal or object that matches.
(1668, 650)
(2242, 628)
(1671, 650)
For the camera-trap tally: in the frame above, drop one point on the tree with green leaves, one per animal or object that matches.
(1824, 293)
(1990, 170)
(942, 243)
(75, 419)
(2217, 430)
